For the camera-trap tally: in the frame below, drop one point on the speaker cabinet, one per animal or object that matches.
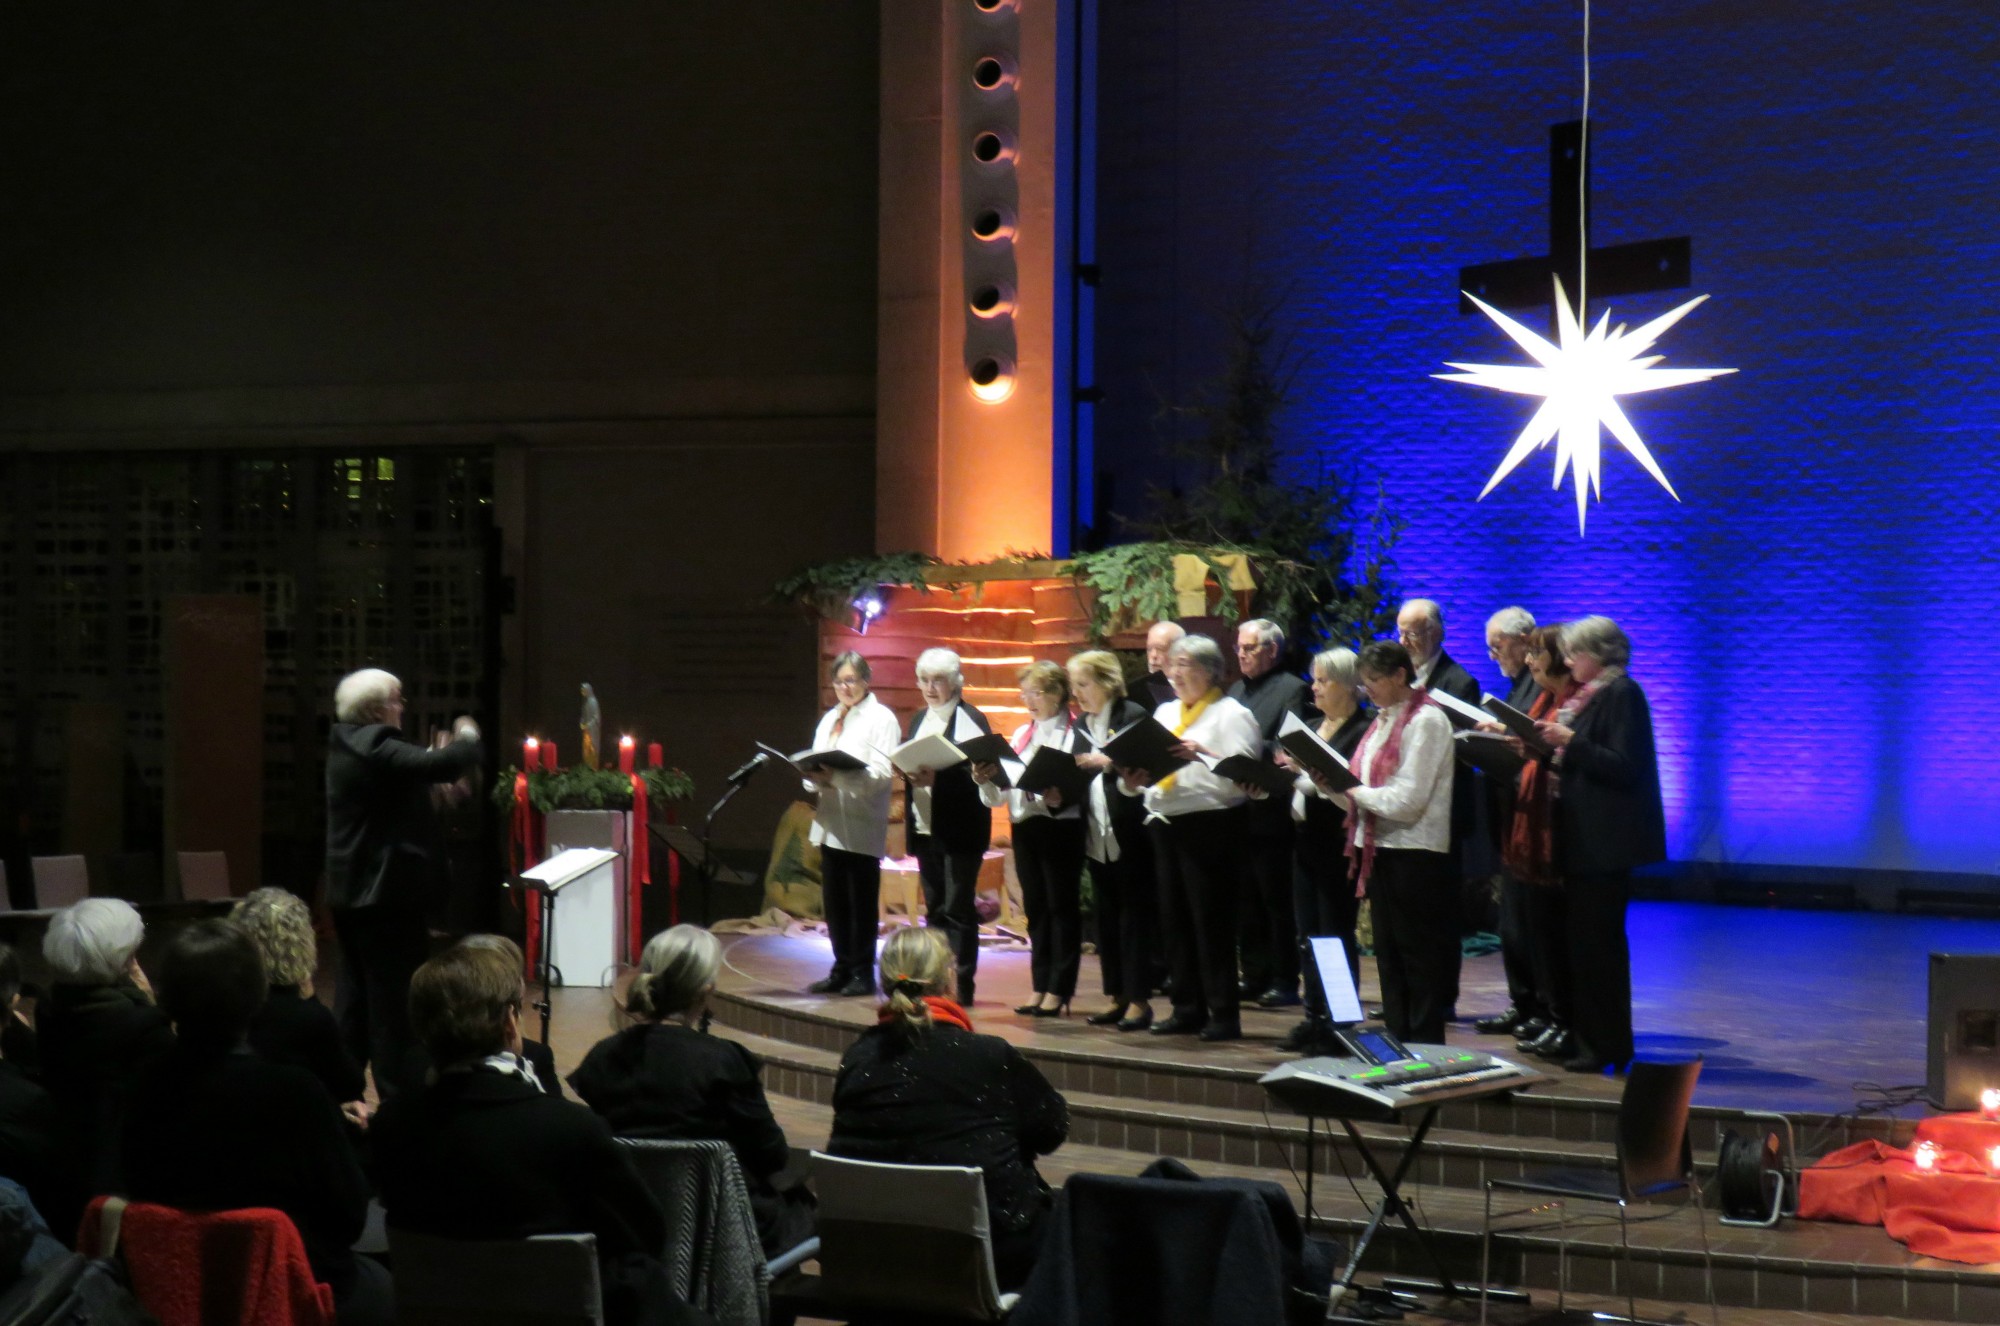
(1963, 1037)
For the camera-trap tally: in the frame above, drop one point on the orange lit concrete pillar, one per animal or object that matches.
(972, 390)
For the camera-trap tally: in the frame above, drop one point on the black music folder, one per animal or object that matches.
(989, 748)
(1254, 772)
(1314, 755)
(1147, 744)
(1489, 752)
(1517, 723)
(1058, 769)
(806, 761)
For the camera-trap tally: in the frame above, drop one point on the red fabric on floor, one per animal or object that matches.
(1952, 1213)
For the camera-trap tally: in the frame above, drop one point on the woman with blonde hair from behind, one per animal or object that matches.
(293, 1027)
(664, 1076)
(920, 1087)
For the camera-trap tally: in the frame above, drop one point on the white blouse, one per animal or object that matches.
(1412, 809)
(1059, 732)
(1225, 728)
(1100, 843)
(853, 814)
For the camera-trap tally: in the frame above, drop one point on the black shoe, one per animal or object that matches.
(860, 985)
(1138, 1021)
(1558, 1045)
(1246, 991)
(1044, 1011)
(831, 985)
(1110, 1017)
(1278, 997)
(1531, 1031)
(1222, 1029)
(1500, 1024)
(1177, 1025)
(1030, 1009)
(1303, 1036)
(1585, 1063)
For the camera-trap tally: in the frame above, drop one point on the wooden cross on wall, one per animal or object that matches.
(1618, 269)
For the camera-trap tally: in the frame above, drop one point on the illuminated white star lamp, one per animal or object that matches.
(1580, 378)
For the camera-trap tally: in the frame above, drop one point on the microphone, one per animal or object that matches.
(750, 766)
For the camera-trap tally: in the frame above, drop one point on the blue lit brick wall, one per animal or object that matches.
(1818, 621)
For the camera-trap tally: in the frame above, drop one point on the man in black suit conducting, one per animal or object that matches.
(385, 861)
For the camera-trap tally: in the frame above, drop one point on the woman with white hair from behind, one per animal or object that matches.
(99, 1031)
(665, 1076)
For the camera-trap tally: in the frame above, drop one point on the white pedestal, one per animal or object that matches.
(589, 940)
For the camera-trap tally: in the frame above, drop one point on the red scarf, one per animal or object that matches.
(941, 1009)
(1026, 736)
(1380, 767)
(1530, 849)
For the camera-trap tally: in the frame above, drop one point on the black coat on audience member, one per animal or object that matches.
(959, 820)
(28, 1141)
(484, 1155)
(296, 1029)
(220, 1131)
(96, 1042)
(664, 1080)
(1608, 813)
(947, 1096)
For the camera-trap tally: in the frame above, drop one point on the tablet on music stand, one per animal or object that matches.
(1343, 1001)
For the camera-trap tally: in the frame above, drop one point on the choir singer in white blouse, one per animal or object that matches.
(851, 826)
(1198, 824)
(1048, 842)
(1400, 844)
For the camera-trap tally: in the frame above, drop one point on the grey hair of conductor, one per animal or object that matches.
(361, 697)
(1510, 622)
(1203, 652)
(92, 942)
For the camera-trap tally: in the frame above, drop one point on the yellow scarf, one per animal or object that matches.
(1188, 717)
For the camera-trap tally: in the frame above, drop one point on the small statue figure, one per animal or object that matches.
(591, 721)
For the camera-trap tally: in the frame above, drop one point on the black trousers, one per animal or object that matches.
(1323, 904)
(1195, 857)
(1600, 965)
(1265, 925)
(851, 889)
(1548, 944)
(1413, 896)
(951, 887)
(380, 948)
(1525, 990)
(1127, 894)
(1048, 857)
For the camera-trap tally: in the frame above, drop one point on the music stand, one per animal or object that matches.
(708, 869)
(545, 881)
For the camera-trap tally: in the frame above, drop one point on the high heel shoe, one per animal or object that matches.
(1060, 1010)
(1031, 1009)
(1110, 1017)
(1138, 1021)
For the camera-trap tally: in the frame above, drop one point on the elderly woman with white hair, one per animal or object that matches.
(385, 861)
(1608, 821)
(99, 1031)
(1199, 824)
(851, 822)
(664, 1076)
(1323, 897)
(948, 825)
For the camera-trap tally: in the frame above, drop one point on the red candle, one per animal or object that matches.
(655, 757)
(626, 750)
(531, 754)
(1989, 1104)
(548, 757)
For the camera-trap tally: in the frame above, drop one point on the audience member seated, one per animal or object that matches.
(99, 1030)
(539, 1056)
(18, 1044)
(293, 1027)
(481, 1152)
(26, 1245)
(921, 1088)
(214, 1127)
(667, 1077)
(27, 1118)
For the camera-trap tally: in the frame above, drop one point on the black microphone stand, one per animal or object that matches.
(706, 869)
